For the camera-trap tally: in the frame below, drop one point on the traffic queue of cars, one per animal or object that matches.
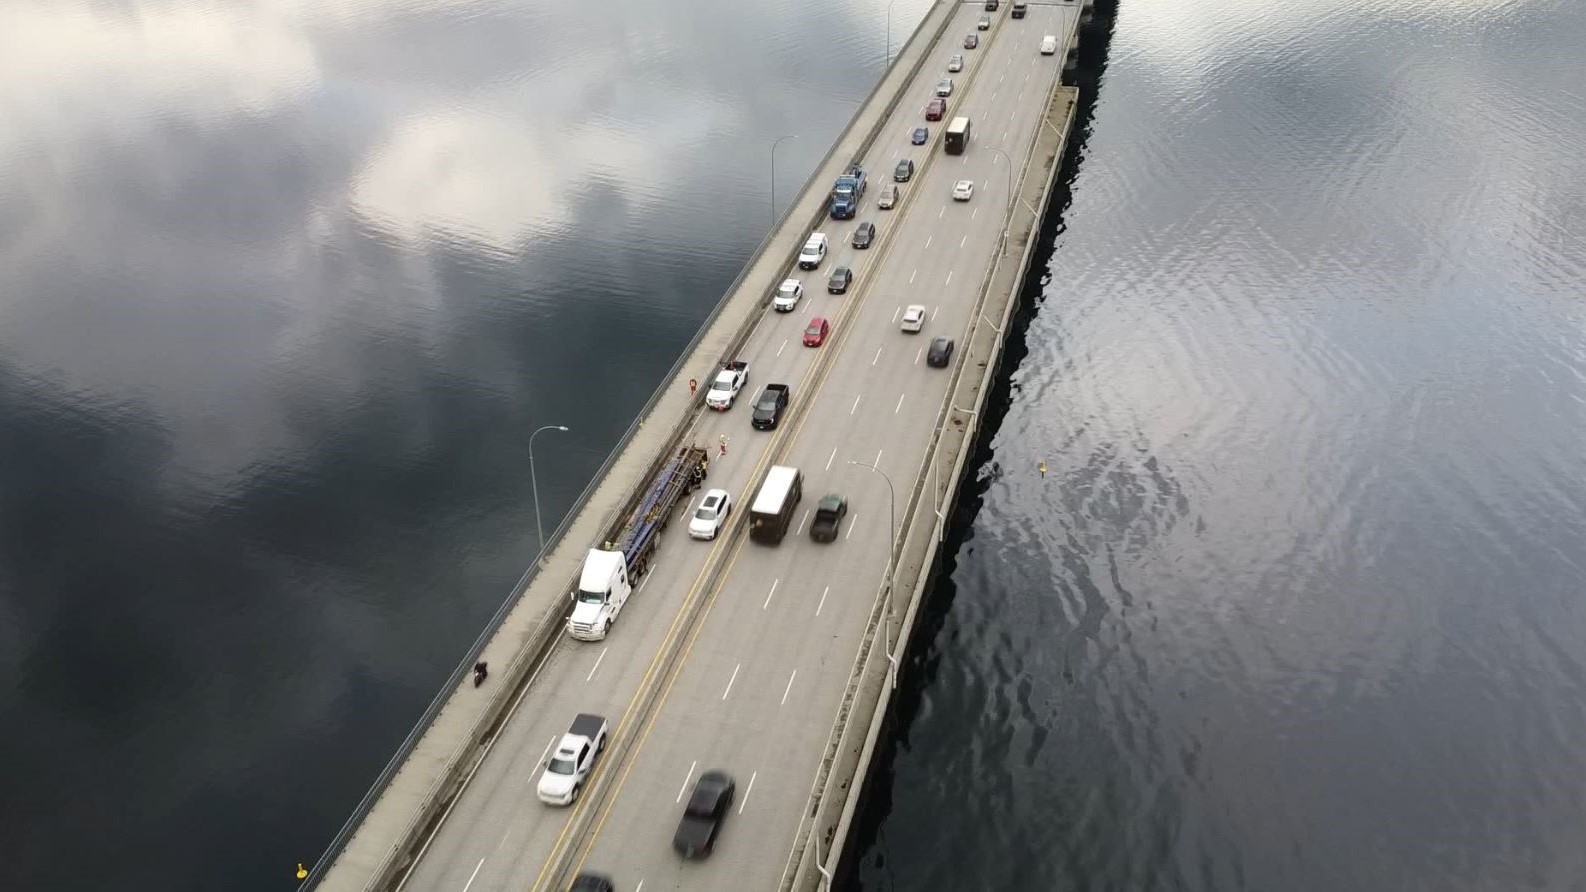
(711, 799)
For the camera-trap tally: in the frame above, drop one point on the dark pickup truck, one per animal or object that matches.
(828, 517)
(768, 407)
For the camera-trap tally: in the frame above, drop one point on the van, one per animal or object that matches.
(1019, 7)
(1049, 45)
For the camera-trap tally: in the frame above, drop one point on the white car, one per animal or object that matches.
(956, 63)
(944, 87)
(1049, 45)
(814, 251)
(963, 190)
(710, 515)
(913, 318)
(787, 296)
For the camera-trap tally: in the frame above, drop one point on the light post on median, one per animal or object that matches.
(1009, 216)
(534, 483)
(892, 518)
(773, 174)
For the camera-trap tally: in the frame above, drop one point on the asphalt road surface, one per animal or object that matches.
(760, 683)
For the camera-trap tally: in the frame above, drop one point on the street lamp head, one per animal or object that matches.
(562, 427)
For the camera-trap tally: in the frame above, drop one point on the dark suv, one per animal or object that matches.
(903, 171)
(864, 234)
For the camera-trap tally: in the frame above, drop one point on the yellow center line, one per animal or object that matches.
(851, 310)
(822, 371)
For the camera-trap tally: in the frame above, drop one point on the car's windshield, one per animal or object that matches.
(813, 330)
(589, 597)
(560, 766)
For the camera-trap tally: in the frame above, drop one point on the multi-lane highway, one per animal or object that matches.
(766, 660)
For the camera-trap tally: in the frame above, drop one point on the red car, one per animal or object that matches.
(935, 109)
(816, 334)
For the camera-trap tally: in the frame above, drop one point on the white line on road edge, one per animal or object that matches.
(686, 778)
(949, 278)
(823, 601)
(640, 887)
(543, 753)
(928, 241)
(595, 668)
(878, 356)
(962, 240)
(800, 529)
(746, 791)
(474, 772)
(789, 686)
(731, 680)
(834, 453)
(642, 585)
(912, 275)
(474, 874)
(878, 458)
(939, 216)
(781, 348)
(850, 533)
(774, 584)
(974, 213)
(895, 313)
(855, 405)
(899, 407)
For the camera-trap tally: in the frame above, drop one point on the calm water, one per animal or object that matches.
(286, 285)
(1299, 603)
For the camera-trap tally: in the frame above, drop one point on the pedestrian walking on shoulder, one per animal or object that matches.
(693, 386)
(481, 669)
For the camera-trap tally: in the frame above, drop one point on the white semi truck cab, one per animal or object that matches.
(603, 588)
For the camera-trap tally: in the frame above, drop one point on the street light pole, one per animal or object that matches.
(886, 618)
(773, 174)
(534, 483)
(1009, 215)
(891, 517)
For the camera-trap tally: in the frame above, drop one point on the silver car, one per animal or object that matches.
(956, 63)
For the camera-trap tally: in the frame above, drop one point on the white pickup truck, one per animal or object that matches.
(575, 756)
(731, 379)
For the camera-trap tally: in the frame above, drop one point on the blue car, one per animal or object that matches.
(921, 134)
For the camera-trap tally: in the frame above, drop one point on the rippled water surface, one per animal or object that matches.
(284, 288)
(1299, 601)
(1297, 605)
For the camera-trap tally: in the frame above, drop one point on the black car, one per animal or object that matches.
(864, 234)
(941, 352)
(707, 808)
(841, 278)
(829, 516)
(592, 882)
(903, 171)
(921, 134)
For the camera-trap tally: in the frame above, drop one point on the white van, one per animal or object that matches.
(1049, 45)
